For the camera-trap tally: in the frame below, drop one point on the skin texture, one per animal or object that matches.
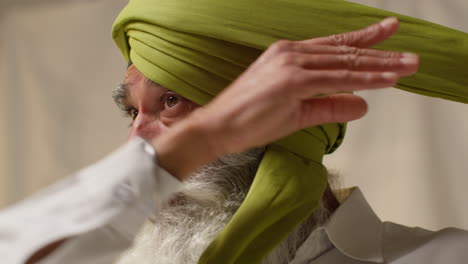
(274, 97)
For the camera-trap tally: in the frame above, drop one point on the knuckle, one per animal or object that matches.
(393, 54)
(285, 59)
(343, 49)
(281, 46)
(342, 39)
(285, 77)
(355, 51)
(351, 61)
(339, 39)
(292, 77)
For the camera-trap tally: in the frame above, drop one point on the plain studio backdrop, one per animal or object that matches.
(59, 66)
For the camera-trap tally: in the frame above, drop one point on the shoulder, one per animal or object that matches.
(402, 244)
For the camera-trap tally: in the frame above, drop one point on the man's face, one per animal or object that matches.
(208, 198)
(152, 108)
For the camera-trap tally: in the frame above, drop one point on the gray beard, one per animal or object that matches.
(208, 200)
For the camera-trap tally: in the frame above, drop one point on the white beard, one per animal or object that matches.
(200, 211)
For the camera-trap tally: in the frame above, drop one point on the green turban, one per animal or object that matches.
(198, 47)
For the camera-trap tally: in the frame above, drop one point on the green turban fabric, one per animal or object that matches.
(198, 47)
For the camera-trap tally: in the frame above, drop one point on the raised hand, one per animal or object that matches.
(292, 85)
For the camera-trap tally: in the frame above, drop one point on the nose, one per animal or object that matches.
(146, 127)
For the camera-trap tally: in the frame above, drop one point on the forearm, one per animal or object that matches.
(187, 146)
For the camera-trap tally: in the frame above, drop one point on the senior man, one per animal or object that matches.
(271, 203)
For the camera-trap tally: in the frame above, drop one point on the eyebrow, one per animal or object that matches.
(121, 92)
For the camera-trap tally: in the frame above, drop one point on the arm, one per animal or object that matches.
(93, 214)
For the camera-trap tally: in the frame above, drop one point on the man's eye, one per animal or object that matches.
(171, 101)
(133, 113)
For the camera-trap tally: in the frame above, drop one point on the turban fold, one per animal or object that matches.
(198, 47)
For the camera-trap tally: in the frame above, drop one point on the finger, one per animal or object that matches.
(332, 109)
(312, 83)
(303, 47)
(363, 38)
(406, 65)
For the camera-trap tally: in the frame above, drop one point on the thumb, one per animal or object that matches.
(363, 38)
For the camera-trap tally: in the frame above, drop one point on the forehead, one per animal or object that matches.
(133, 75)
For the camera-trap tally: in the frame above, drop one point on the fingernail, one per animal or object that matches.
(388, 22)
(410, 55)
(409, 61)
(408, 58)
(389, 76)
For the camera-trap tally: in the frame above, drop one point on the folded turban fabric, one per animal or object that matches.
(198, 47)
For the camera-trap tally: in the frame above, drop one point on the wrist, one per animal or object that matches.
(186, 147)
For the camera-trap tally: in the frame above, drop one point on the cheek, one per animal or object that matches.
(177, 113)
(170, 121)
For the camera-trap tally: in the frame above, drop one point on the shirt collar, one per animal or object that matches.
(356, 230)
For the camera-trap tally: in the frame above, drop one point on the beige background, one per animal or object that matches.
(59, 65)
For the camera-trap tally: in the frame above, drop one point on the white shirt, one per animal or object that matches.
(101, 209)
(355, 235)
